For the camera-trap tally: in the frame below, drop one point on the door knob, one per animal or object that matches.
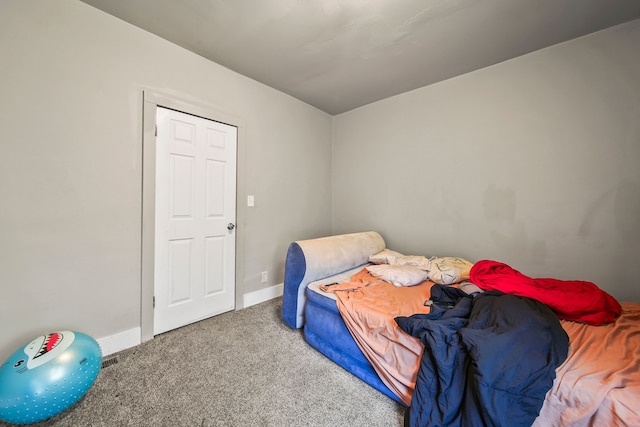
(231, 226)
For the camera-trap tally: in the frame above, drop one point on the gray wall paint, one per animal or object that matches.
(533, 162)
(70, 171)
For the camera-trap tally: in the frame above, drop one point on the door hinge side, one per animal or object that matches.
(156, 130)
(154, 301)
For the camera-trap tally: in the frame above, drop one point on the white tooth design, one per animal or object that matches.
(57, 336)
(55, 342)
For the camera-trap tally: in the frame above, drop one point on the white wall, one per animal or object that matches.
(533, 162)
(70, 171)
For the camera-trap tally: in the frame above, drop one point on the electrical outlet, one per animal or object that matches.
(265, 276)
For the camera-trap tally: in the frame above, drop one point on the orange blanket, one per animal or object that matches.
(369, 312)
(598, 384)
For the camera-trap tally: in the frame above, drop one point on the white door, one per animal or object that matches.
(194, 272)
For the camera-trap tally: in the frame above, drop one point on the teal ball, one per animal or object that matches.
(47, 376)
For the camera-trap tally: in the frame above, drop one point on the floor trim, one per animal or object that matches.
(120, 341)
(131, 338)
(262, 295)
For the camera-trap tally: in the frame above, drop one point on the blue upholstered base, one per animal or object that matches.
(327, 260)
(325, 330)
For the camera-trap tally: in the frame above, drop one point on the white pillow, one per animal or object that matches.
(398, 275)
(449, 270)
(385, 256)
(415, 260)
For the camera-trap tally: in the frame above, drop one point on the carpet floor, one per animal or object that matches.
(242, 368)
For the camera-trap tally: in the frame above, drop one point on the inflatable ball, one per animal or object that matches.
(47, 376)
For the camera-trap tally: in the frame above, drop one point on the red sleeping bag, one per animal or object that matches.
(575, 300)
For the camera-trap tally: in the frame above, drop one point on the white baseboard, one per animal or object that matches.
(120, 341)
(130, 338)
(256, 297)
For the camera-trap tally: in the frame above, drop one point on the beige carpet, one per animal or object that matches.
(243, 368)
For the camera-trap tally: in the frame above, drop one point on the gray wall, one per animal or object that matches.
(70, 169)
(533, 162)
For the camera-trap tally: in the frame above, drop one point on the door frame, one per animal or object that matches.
(151, 100)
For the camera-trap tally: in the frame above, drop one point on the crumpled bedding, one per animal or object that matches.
(368, 306)
(599, 383)
(575, 300)
(488, 361)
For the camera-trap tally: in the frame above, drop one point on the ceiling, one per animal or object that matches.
(338, 55)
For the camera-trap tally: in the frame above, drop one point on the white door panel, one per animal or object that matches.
(195, 201)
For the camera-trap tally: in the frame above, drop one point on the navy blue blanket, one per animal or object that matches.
(489, 360)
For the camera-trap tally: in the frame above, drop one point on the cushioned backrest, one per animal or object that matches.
(315, 259)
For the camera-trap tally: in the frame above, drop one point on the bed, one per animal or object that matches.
(327, 283)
